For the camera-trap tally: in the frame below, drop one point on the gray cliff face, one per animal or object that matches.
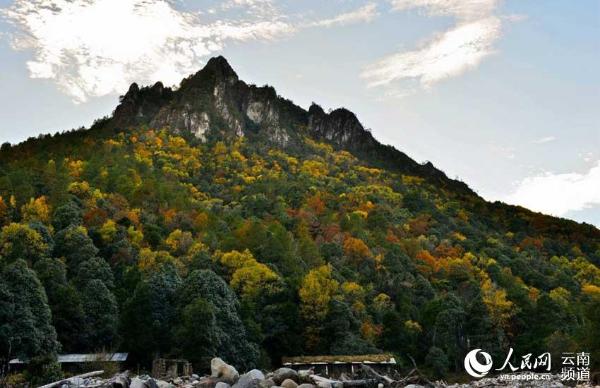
(338, 127)
(215, 104)
(215, 101)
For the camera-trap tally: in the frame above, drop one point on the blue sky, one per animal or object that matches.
(504, 95)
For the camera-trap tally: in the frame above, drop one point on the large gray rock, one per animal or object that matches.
(164, 384)
(284, 373)
(251, 379)
(304, 375)
(207, 382)
(306, 386)
(224, 371)
(255, 374)
(136, 382)
(221, 384)
(289, 383)
(151, 383)
(120, 381)
(267, 383)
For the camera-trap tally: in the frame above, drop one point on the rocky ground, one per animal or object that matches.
(226, 376)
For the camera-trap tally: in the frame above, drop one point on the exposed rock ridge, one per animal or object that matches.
(214, 104)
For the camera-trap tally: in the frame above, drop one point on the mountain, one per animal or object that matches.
(220, 219)
(214, 103)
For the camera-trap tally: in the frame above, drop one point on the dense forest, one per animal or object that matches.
(154, 241)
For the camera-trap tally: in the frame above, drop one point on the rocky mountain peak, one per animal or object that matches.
(214, 104)
(220, 66)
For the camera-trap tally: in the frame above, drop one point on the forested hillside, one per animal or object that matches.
(219, 219)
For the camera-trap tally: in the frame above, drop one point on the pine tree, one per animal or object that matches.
(64, 301)
(28, 330)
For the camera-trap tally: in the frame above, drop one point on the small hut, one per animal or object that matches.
(170, 368)
(334, 366)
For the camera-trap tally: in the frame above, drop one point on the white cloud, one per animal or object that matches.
(447, 54)
(366, 13)
(515, 17)
(545, 139)
(557, 194)
(97, 47)
(461, 9)
(255, 7)
(587, 156)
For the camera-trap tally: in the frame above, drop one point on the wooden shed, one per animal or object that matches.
(170, 368)
(334, 366)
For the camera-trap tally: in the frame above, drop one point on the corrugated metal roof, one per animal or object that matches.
(92, 357)
(350, 359)
(89, 357)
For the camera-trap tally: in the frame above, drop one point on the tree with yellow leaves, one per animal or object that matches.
(18, 241)
(151, 261)
(108, 231)
(248, 276)
(36, 210)
(499, 307)
(356, 249)
(314, 168)
(179, 242)
(317, 290)
(354, 294)
(4, 212)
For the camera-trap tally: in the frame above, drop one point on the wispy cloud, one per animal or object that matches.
(461, 9)
(557, 194)
(93, 48)
(365, 13)
(97, 47)
(545, 139)
(254, 7)
(447, 54)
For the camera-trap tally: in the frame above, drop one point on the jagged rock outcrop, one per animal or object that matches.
(140, 105)
(215, 104)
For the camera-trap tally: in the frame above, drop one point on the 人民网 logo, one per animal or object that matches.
(474, 367)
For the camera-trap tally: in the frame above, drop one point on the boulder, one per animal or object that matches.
(224, 371)
(250, 379)
(164, 384)
(289, 383)
(323, 382)
(120, 381)
(304, 375)
(221, 384)
(255, 374)
(267, 383)
(136, 382)
(151, 383)
(207, 382)
(305, 385)
(282, 374)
